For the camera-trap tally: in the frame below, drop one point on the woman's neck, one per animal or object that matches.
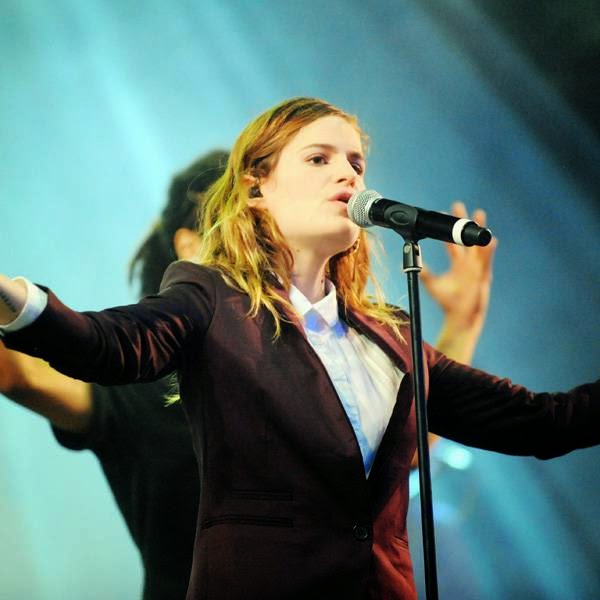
(309, 276)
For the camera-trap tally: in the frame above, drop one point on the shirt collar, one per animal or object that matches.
(326, 308)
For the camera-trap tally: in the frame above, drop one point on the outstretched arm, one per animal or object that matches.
(32, 383)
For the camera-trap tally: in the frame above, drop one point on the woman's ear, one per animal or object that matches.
(186, 243)
(254, 193)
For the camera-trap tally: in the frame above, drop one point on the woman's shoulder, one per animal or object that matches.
(209, 281)
(185, 271)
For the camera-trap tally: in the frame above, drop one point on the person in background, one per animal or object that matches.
(143, 445)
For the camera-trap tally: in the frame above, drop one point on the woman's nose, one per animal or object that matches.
(346, 172)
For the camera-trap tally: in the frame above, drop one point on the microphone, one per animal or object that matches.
(369, 208)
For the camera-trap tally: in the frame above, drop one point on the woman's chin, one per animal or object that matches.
(329, 243)
(344, 244)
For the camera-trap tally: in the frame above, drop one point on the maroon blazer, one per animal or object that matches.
(286, 511)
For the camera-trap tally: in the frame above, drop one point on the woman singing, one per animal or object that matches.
(296, 382)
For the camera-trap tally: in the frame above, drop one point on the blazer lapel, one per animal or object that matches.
(398, 439)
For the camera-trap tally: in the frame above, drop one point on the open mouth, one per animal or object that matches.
(343, 197)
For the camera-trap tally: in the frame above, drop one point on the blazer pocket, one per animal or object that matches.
(259, 520)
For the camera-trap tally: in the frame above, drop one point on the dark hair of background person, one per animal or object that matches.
(156, 251)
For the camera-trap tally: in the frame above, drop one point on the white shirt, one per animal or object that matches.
(365, 378)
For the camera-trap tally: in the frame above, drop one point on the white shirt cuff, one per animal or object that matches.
(34, 305)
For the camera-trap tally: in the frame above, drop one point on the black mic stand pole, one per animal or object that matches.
(412, 266)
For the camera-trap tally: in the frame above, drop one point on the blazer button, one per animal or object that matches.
(360, 532)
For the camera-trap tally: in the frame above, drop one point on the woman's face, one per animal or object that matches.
(307, 191)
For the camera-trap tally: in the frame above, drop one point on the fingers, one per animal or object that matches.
(459, 210)
(480, 217)
(475, 261)
(425, 274)
(430, 280)
(484, 253)
(487, 255)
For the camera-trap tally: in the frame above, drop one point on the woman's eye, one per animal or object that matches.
(319, 159)
(358, 167)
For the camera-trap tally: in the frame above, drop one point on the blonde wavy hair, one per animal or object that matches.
(245, 244)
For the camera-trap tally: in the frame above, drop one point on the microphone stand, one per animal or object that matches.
(368, 208)
(412, 266)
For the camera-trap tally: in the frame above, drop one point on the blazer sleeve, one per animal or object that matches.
(477, 409)
(138, 342)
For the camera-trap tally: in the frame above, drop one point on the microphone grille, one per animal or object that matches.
(359, 206)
